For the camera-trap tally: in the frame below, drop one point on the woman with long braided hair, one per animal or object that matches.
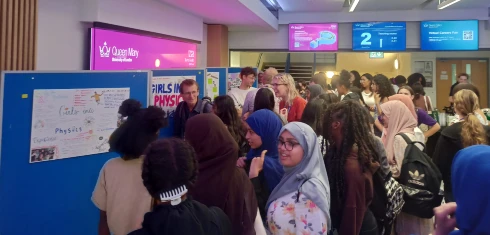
(351, 163)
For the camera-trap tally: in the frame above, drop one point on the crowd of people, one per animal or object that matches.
(342, 157)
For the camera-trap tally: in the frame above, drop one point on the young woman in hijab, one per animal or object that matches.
(313, 91)
(408, 102)
(467, 132)
(397, 118)
(224, 108)
(220, 182)
(351, 162)
(169, 170)
(263, 127)
(291, 105)
(422, 116)
(471, 212)
(300, 204)
(120, 194)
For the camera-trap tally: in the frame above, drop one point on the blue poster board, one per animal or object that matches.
(198, 73)
(237, 70)
(379, 36)
(51, 197)
(223, 77)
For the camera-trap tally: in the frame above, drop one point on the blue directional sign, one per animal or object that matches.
(379, 36)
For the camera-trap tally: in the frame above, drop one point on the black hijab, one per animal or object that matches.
(220, 183)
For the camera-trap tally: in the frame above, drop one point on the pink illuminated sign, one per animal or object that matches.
(112, 50)
(313, 37)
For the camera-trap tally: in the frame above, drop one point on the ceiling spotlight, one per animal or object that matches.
(272, 2)
(443, 4)
(353, 5)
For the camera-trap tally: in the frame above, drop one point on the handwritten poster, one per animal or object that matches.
(73, 122)
(212, 84)
(234, 80)
(166, 92)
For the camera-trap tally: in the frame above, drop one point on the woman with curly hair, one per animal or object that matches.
(383, 89)
(351, 161)
(169, 171)
(118, 181)
(224, 108)
(355, 79)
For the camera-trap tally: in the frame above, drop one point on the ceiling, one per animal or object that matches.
(373, 5)
(228, 12)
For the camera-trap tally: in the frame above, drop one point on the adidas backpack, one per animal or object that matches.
(421, 181)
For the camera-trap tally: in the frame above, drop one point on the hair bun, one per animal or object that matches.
(129, 107)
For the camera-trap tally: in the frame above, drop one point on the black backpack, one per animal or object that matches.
(421, 181)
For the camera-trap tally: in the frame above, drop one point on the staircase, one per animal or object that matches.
(281, 67)
(301, 72)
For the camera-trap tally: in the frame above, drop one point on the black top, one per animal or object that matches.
(182, 114)
(262, 193)
(452, 88)
(351, 96)
(188, 218)
(447, 146)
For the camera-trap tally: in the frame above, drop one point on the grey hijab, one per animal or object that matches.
(309, 176)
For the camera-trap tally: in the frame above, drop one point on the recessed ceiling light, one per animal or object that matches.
(353, 5)
(446, 3)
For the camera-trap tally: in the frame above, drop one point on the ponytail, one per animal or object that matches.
(472, 131)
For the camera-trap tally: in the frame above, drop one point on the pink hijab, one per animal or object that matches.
(407, 101)
(400, 120)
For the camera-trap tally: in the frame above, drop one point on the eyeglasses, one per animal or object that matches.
(190, 93)
(278, 84)
(288, 145)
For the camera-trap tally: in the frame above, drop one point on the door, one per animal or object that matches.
(447, 74)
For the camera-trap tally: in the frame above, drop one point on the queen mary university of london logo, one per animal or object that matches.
(118, 55)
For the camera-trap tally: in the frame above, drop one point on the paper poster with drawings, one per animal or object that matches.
(212, 84)
(70, 123)
(425, 68)
(234, 80)
(166, 92)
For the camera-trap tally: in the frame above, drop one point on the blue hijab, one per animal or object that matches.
(267, 125)
(471, 188)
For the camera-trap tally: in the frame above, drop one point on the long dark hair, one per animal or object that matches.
(354, 131)
(313, 114)
(224, 107)
(132, 137)
(418, 90)
(357, 79)
(416, 77)
(369, 77)
(264, 99)
(385, 88)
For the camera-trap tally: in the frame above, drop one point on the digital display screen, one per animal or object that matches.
(113, 50)
(379, 36)
(313, 37)
(449, 35)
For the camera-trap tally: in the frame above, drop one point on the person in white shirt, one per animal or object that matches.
(239, 94)
(248, 105)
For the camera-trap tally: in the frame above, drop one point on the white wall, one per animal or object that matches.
(280, 39)
(202, 49)
(63, 38)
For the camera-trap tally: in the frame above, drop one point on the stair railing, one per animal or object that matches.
(259, 60)
(288, 63)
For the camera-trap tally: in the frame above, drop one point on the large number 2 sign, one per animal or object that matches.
(367, 37)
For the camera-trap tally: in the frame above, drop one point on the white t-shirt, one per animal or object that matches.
(368, 99)
(238, 95)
